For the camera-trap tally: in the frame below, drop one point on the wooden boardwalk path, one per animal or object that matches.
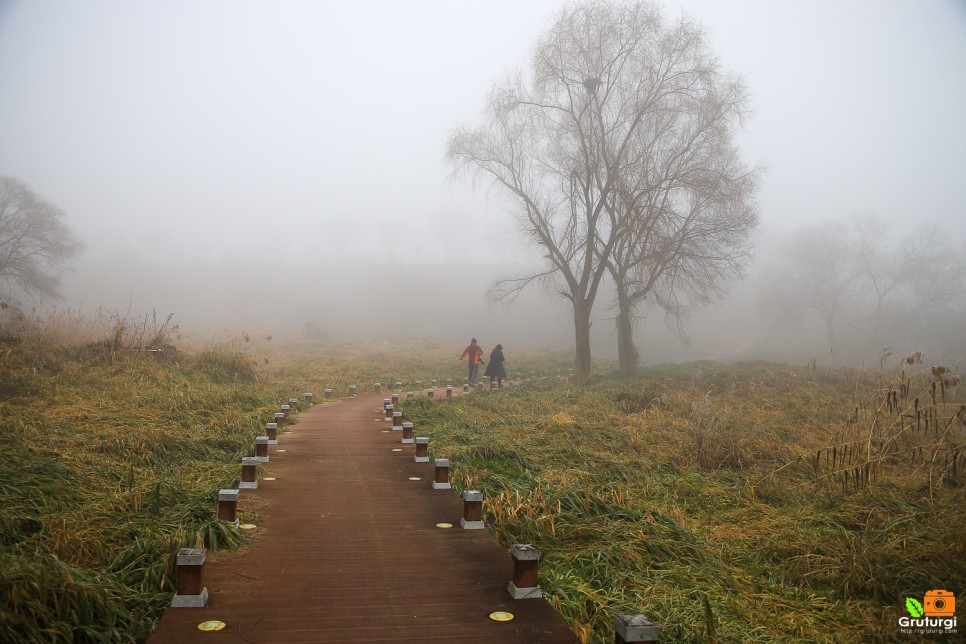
(347, 550)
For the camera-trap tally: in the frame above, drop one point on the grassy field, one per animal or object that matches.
(706, 495)
(752, 502)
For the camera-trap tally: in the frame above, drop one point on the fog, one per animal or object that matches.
(279, 167)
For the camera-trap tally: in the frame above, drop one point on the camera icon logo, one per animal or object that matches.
(939, 603)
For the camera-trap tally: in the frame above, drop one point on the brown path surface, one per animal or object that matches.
(348, 551)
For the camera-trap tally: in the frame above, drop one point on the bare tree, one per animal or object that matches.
(685, 205)
(563, 140)
(817, 275)
(34, 242)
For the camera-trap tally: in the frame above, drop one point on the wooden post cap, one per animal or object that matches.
(191, 556)
(230, 495)
(636, 628)
(525, 552)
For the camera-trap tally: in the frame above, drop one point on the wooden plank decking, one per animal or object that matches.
(347, 550)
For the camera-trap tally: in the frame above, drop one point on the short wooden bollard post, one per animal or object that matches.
(398, 385)
(228, 505)
(377, 387)
(407, 433)
(279, 420)
(433, 385)
(409, 394)
(441, 474)
(449, 391)
(466, 388)
(249, 481)
(287, 410)
(472, 510)
(449, 381)
(353, 390)
(429, 392)
(422, 450)
(635, 628)
(397, 420)
(310, 398)
(328, 394)
(271, 429)
(390, 410)
(261, 449)
(191, 591)
(526, 560)
(293, 404)
(419, 384)
(395, 398)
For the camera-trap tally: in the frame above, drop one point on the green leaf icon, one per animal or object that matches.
(914, 607)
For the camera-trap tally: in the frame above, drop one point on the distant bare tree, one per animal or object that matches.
(566, 142)
(34, 242)
(818, 275)
(934, 268)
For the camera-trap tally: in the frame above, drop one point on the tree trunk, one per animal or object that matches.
(582, 339)
(626, 351)
(832, 334)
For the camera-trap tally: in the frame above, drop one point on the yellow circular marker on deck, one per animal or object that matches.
(248, 526)
(501, 616)
(444, 525)
(279, 451)
(268, 478)
(415, 478)
(385, 431)
(211, 625)
(397, 449)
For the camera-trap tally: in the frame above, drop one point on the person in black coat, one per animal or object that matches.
(495, 368)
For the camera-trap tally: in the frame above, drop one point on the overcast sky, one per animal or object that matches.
(316, 130)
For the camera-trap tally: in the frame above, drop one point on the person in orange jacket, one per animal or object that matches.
(474, 353)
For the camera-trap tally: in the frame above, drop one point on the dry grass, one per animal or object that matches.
(705, 509)
(707, 495)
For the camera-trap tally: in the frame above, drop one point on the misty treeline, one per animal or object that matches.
(615, 150)
(872, 290)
